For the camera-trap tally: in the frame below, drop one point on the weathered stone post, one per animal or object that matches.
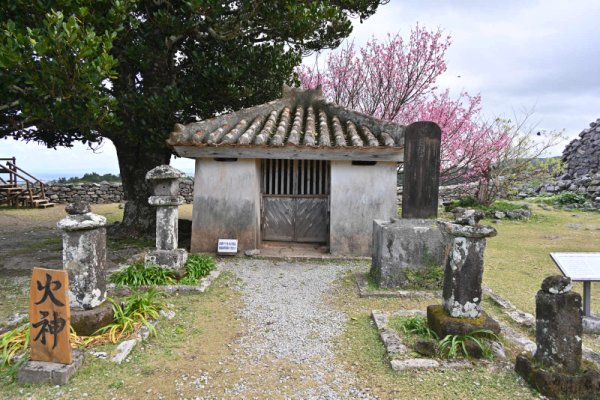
(556, 369)
(166, 199)
(84, 259)
(558, 328)
(84, 255)
(463, 273)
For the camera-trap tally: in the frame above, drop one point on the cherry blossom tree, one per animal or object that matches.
(396, 80)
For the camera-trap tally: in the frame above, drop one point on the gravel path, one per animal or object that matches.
(288, 319)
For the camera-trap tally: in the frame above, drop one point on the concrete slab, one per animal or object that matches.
(40, 372)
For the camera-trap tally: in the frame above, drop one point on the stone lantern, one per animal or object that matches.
(166, 199)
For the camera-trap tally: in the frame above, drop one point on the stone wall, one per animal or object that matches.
(99, 193)
(581, 160)
(582, 156)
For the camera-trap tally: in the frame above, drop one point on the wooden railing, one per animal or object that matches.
(21, 188)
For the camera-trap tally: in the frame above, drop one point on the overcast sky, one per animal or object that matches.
(518, 54)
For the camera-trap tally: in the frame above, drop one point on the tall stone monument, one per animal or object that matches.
(421, 170)
(166, 199)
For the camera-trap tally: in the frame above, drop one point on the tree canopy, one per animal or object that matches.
(127, 70)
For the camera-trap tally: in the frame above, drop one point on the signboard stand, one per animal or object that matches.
(584, 267)
(51, 359)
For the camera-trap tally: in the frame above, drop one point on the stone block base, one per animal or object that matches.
(443, 324)
(559, 385)
(403, 245)
(86, 322)
(591, 324)
(173, 259)
(39, 372)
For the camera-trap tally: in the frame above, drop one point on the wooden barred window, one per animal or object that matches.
(295, 177)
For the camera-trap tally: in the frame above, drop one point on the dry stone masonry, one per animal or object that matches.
(166, 199)
(582, 166)
(103, 192)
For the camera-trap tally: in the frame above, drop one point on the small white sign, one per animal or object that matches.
(227, 246)
(578, 266)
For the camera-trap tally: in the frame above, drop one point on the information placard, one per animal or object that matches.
(578, 266)
(227, 246)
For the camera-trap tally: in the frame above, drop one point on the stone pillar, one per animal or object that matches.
(559, 327)
(166, 199)
(84, 255)
(464, 265)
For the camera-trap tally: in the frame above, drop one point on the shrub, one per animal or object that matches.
(570, 198)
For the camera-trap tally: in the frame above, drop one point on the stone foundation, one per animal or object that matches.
(443, 324)
(400, 245)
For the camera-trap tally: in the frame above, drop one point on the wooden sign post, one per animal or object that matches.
(50, 316)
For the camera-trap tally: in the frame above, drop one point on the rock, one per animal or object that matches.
(123, 350)
(86, 322)
(498, 350)
(557, 284)
(443, 324)
(468, 216)
(499, 214)
(252, 253)
(414, 363)
(427, 348)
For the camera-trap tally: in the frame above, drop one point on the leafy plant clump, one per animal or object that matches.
(416, 325)
(565, 198)
(136, 310)
(453, 346)
(140, 274)
(197, 266)
(13, 343)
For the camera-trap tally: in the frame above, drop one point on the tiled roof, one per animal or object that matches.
(301, 125)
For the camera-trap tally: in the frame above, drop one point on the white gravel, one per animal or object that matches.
(288, 319)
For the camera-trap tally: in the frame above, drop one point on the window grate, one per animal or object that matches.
(295, 177)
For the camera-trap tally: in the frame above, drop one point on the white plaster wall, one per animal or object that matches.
(359, 194)
(226, 204)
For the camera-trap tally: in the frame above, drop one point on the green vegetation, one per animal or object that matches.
(430, 277)
(489, 210)
(197, 266)
(453, 346)
(416, 325)
(135, 310)
(563, 198)
(91, 177)
(12, 343)
(141, 274)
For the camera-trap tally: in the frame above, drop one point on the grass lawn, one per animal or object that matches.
(518, 259)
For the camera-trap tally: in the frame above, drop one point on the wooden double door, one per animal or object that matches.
(295, 200)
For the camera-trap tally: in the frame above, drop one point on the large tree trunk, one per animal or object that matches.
(135, 160)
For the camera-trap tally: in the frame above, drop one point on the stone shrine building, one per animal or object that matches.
(297, 169)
